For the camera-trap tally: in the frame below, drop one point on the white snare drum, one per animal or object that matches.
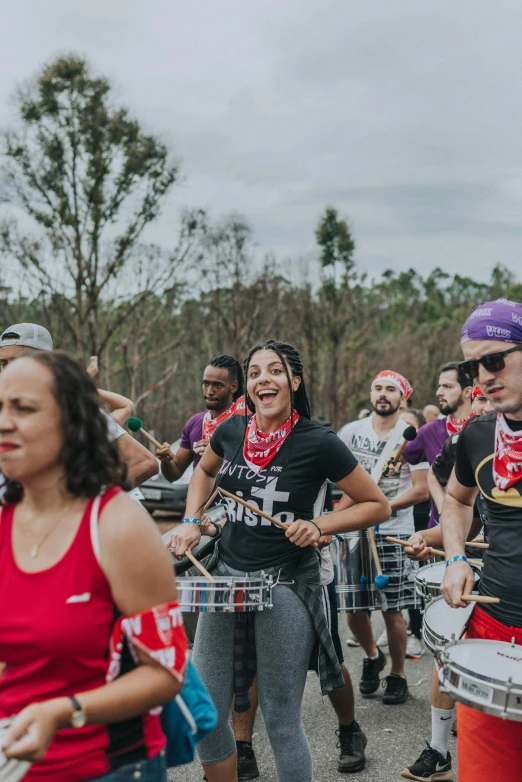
(429, 578)
(354, 572)
(485, 675)
(442, 624)
(229, 594)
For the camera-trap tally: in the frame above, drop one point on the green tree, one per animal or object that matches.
(91, 180)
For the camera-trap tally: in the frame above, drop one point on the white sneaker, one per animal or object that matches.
(382, 640)
(414, 648)
(352, 642)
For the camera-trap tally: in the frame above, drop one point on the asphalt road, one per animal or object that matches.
(396, 734)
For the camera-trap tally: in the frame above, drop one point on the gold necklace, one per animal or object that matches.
(35, 548)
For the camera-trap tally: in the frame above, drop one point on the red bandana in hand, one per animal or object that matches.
(159, 632)
(259, 448)
(456, 425)
(211, 424)
(507, 462)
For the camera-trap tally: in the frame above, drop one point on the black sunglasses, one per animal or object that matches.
(492, 362)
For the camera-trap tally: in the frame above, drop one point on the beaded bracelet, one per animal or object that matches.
(457, 558)
(191, 521)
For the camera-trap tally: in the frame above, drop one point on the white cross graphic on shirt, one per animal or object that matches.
(269, 495)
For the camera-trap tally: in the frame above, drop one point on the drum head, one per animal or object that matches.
(432, 574)
(490, 660)
(447, 622)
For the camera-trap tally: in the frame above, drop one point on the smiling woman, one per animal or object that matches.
(279, 461)
(62, 529)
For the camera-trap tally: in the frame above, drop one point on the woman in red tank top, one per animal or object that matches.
(73, 558)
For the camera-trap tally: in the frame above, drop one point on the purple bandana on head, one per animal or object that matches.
(499, 320)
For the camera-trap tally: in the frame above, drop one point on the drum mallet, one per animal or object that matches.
(409, 434)
(136, 425)
(381, 581)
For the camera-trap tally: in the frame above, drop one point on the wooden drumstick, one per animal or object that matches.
(381, 581)
(477, 544)
(255, 510)
(199, 566)
(479, 599)
(437, 551)
(210, 500)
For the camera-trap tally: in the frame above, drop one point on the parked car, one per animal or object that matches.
(160, 494)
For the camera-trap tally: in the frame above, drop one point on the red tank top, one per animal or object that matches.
(55, 627)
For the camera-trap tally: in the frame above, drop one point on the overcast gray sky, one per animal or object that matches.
(404, 115)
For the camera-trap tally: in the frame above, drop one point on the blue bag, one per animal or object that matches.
(187, 719)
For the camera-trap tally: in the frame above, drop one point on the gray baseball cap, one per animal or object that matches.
(28, 335)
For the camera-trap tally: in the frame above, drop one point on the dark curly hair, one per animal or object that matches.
(89, 459)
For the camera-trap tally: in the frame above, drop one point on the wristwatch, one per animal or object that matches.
(79, 716)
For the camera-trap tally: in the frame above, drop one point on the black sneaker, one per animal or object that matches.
(246, 762)
(429, 767)
(396, 689)
(352, 743)
(370, 676)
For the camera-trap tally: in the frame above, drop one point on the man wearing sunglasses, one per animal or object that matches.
(489, 461)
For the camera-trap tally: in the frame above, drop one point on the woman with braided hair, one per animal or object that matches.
(275, 458)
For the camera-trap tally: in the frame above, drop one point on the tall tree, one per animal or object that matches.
(91, 180)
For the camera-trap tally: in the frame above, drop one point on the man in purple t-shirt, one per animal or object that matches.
(454, 395)
(222, 386)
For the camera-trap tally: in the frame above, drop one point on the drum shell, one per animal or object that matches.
(429, 578)
(354, 572)
(449, 624)
(503, 698)
(228, 594)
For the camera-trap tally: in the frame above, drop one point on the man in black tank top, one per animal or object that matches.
(489, 461)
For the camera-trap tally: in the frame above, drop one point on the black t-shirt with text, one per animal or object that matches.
(292, 487)
(503, 560)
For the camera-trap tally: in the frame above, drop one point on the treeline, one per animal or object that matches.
(402, 321)
(89, 180)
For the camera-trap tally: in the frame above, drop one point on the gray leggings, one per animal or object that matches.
(284, 642)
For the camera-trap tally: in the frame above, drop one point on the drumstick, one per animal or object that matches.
(477, 544)
(210, 500)
(256, 510)
(199, 566)
(136, 425)
(479, 599)
(437, 551)
(381, 581)
(409, 434)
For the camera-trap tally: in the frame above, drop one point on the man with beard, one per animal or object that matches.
(222, 391)
(404, 488)
(454, 395)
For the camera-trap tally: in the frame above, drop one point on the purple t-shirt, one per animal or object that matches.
(192, 432)
(426, 446)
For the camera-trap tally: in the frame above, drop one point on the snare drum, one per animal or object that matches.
(442, 624)
(229, 594)
(485, 675)
(354, 572)
(429, 578)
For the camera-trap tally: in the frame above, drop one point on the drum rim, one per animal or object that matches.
(516, 688)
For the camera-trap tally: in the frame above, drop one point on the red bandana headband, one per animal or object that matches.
(477, 392)
(389, 376)
(211, 424)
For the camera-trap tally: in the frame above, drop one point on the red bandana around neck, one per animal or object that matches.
(211, 424)
(507, 461)
(259, 448)
(456, 425)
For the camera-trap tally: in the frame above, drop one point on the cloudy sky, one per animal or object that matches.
(405, 115)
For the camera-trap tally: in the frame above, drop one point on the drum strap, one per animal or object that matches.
(391, 444)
